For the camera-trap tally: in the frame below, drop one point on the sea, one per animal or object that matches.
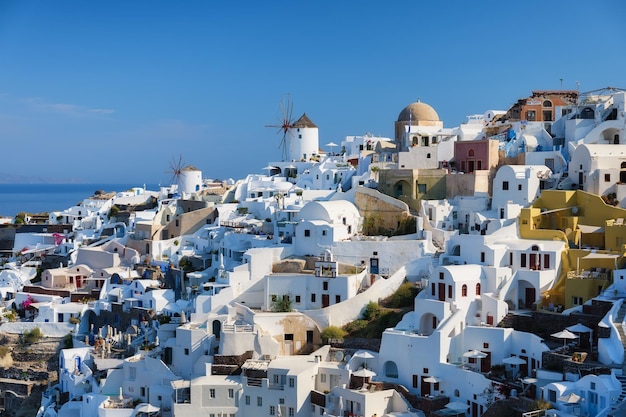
(40, 198)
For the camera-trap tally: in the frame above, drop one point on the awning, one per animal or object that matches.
(590, 229)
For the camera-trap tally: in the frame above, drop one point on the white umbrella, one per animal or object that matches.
(514, 360)
(457, 406)
(431, 380)
(364, 373)
(579, 328)
(340, 404)
(476, 354)
(330, 144)
(565, 335)
(147, 408)
(279, 412)
(269, 168)
(363, 354)
(571, 398)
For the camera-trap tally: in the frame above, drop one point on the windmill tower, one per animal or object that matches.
(305, 141)
(188, 179)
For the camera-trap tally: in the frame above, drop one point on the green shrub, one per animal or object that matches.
(332, 332)
(371, 311)
(32, 336)
(68, 341)
(404, 296)
(281, 304)
(355, 327)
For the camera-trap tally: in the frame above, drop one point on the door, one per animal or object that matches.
(325, 300)
(442, 291)
(530, 296)
(485, 363)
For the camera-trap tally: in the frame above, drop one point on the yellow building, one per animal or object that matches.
(595, 234)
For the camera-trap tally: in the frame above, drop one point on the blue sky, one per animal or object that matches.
(112, 91)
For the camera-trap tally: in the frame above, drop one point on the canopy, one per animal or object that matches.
(431, 380)
(514, 360)
(476, 354)
(590, 229)
(457, 405)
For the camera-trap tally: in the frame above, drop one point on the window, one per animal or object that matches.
(323, 378)
(307, 232)
(427, 156)
(523, 261)
(247, 400)
(212, 393)
(313, 297)
(449, 291)
(337, 299)
(291, 412)
(325, 285)
(297, 299)
(231, 393)
(478, 288)
(519, 187)
(441, 275)
(259, 401)
(421, 188)
(531, 115)
(323, 232)
(482, 257)
(391, 369)
(607, 177)
(187, 351)
(505, 185)
(272, 410)
(464, 291)
(292, 382)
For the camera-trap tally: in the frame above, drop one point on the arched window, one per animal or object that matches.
(457, 393)
(217, 328)
(456, 250)
(534, 248)
(587, 113)
(391, 369)
(464, 291)
(547, 103)
(478, 288)
(470, 153)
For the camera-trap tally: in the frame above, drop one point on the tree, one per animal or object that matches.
(332, 332)
(371, 311)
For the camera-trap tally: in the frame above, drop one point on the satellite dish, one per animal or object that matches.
(338, 356)
(347, 358)
(574, 210)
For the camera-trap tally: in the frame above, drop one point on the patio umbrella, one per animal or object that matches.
(476, 354)
(364, 373)
(514, 360)
(565, 335)
(571, 398)
(457, 406)
(579, 328)
(363, 355)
